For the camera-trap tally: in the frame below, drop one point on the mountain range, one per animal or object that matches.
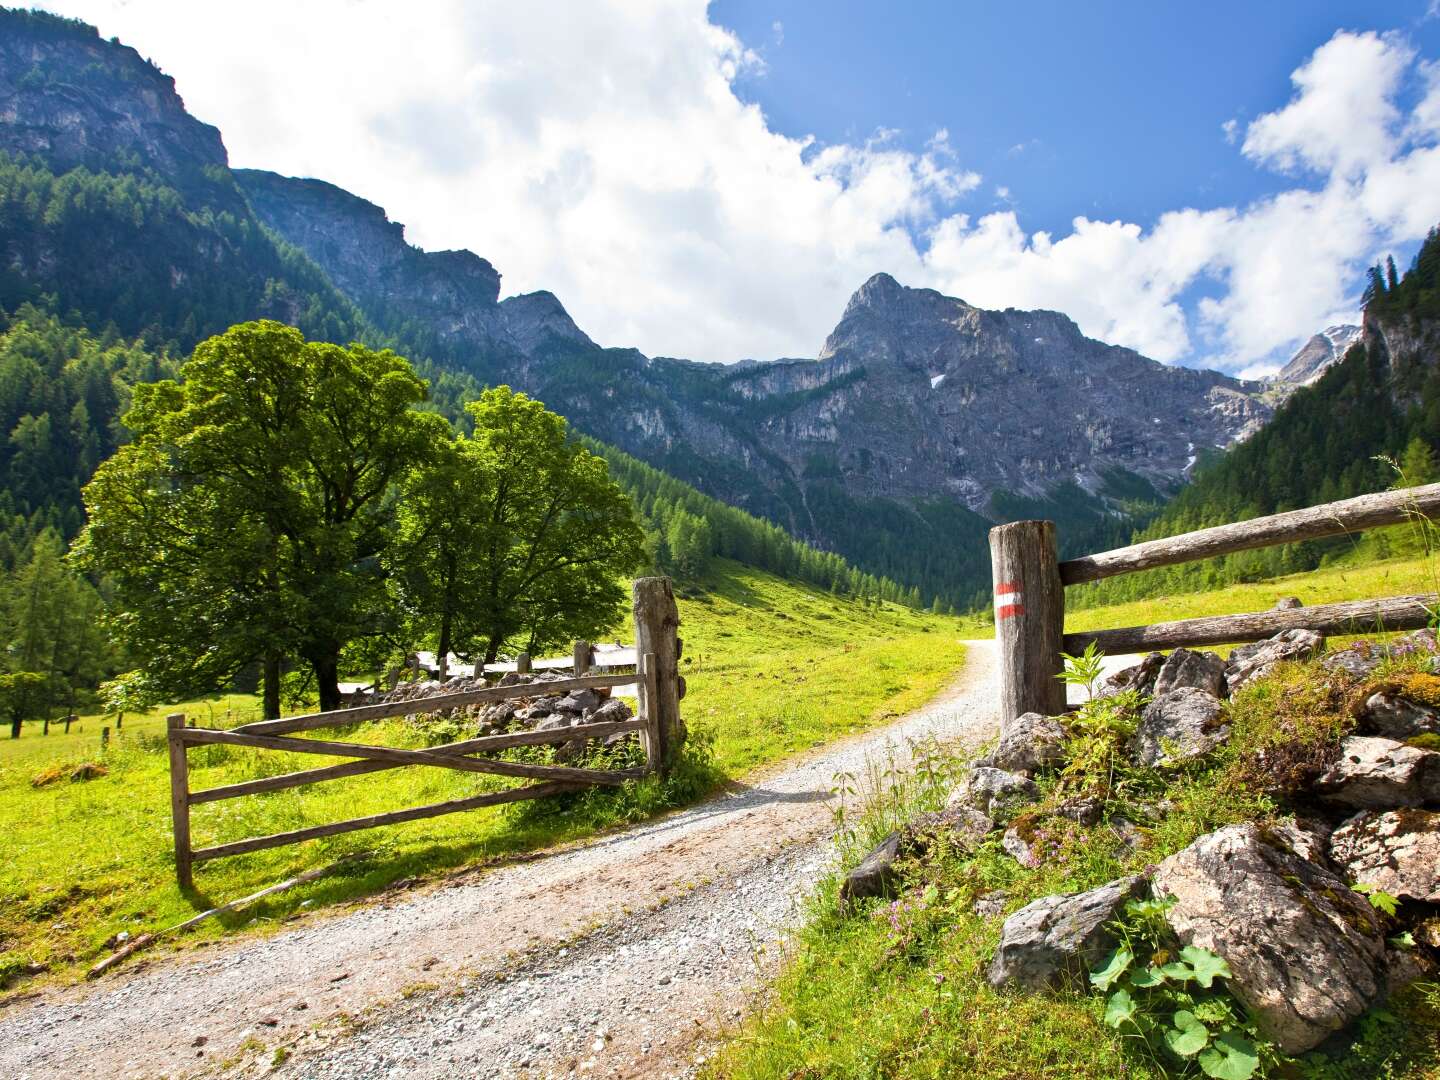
(921, 422)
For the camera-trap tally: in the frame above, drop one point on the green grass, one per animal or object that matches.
(773, 668)
(898, 989)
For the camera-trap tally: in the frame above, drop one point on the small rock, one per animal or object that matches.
(960, 829)
(200, 1040)
(578, 701)
(991, 904)
(1406, 966)
(1305, 950)
(1397, 851)
(1251, 662)
(1306, 837)
(1376, 773)
(1288, 603)
(998, 793)
(1195, 670)
(1081, 809)
(1059, 936)
(1180, 726)
(876, 873)
(610, 711)
(1387, 713)
(1029, 743)
(1019, 848)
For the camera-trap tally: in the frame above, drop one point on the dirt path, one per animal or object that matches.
(612, 957)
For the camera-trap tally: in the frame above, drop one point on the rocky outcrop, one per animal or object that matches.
(1397, 851)
(1306, 952)
(1187, 670)
(1378, 773)
(1391, 714)
(996, 793)
(1250, 662)
(1316, 356)
(1180, 726)
(1029, 743)
(1059, 937)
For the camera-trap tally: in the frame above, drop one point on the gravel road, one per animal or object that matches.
(618, 956)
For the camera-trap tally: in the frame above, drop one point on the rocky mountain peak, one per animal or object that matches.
(1317, 354)
(531, 319)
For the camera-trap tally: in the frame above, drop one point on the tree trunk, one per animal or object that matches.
(492, 647)
(327, 680)
(271, 688)
(15, 726)
(442, 650)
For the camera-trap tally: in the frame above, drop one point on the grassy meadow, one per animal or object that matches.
(773, 668)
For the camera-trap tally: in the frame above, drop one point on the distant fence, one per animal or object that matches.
(1030, 583)
(659, 690)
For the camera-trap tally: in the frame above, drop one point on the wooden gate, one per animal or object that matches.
(659, 690)
(1030, 583)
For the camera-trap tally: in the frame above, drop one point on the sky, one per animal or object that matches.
(1203, 183)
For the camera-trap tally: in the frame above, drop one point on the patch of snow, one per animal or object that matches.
(936, 380)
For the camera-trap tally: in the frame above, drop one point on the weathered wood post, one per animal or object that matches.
(522, 664)
(68, 721)
(581, 658)
(648, 691)
(179, 797)
(1029, 618)
(656, 621)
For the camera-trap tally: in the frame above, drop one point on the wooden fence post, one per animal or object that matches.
(647, 691)
(522, 664)
(180, 797)
(656, 621)
(581, 658)
(1029, 618)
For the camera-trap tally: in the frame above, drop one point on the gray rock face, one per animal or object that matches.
(1029, 743)
(1395, 717)
(1306, 837)
(1019, 848)
(996, 793)
(578, 701)
(1359, 660)
(610, 711)
(1397, 851)
(876, 874)
(1306, 951)
(1180, 726)
(1316, 355)
(1140, 677)
(958, 828)
(1184, 669)
(1059, 937)
(1251, 662)
(1377, 773)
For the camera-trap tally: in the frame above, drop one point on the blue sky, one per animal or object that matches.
(1111, 110)
(713, 180)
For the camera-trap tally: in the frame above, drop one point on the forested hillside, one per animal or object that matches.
(1372, 421)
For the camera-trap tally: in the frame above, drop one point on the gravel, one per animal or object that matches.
(624, 955)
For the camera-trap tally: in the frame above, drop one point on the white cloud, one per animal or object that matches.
(600, 150)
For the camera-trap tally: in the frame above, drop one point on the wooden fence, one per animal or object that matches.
(659, 690)
(1030, 583)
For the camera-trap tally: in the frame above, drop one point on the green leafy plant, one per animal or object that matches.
(1175, 1002)
(1098, 734)
(1379, 899)
(1084, 670)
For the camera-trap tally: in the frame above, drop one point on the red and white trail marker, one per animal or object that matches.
(1008, 600)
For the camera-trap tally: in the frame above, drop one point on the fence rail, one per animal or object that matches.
(659, 689)
(1030, 586)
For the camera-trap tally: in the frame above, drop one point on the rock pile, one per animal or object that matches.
(543, 711)
(1279, 904)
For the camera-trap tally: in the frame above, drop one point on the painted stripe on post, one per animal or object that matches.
(1008, 600)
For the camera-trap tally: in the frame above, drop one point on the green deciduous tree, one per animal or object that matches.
(247, 519)
(518, 536)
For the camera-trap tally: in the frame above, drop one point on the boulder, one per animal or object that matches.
(1139, 677)
(1389, 714)
(610, 711)
(997, 793)
(1397, 851)
(1360, 660)
(578, 701)
(1029, 743)
(1306, 837)
(1406, 966)
(1288, 603)
(1306, 952)
(1180, 726)
(1081, 809)
(1374, 773)
(1251, 662)
(876, 874)
(1059, 937)
(1196, 670)
(957, 828)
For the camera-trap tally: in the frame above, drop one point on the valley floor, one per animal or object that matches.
(623, 952)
